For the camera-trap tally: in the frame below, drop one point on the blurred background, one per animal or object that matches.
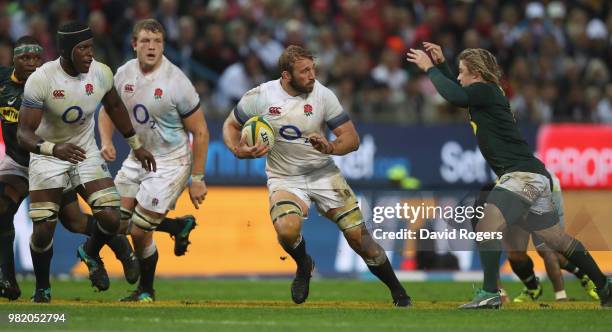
(556, 58)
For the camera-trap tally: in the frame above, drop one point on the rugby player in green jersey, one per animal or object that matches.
(524, 187)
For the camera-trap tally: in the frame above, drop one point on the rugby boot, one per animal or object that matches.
(301, 283)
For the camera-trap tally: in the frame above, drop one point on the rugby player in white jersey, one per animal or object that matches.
(300, 169)
(56, 125)
(164, 107)
(14, 176)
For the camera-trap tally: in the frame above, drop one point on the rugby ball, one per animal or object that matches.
(258, 129)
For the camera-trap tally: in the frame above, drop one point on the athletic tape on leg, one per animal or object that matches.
(105, 198)
(43, 211)
(141, 219)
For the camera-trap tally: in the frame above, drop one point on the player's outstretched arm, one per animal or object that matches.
(106, 129)
(118, 114)
(347, 140)
(29, 120)
(196, 125)
(435, 51)
(237, 144)
(450, 90)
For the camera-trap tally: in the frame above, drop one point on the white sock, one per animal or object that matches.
(560, 295)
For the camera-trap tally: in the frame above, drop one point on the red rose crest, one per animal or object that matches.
(307, 110)
(158, 93)
(89, 89)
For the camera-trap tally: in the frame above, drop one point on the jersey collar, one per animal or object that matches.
(153, 75)
(15, 79)
(286, 95)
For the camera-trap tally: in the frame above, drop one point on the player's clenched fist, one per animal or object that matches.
(69, 152)
(146, 159)
(321, 143)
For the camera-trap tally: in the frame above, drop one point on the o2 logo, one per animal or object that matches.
(291, 133)
(74, 114)
(141, 115)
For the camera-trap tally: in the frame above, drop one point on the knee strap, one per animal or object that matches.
(348, 216)
(126, 218)
(141, 219)
(102, 199)
(43, 212)
(283, 208)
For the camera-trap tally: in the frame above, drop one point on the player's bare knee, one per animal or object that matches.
(555, 238)
(42, 235)
(563, 243)
(104, 204)
(108, 220)
(545, 251)
(73, 219)
(288, 230)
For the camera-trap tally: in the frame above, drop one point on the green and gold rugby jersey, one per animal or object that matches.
(492, 121)
(11, 92)
(499, 139)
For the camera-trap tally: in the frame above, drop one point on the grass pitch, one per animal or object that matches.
(265, 305)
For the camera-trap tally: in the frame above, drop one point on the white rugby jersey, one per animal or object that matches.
(68, 102)
(293, 120)
(157, 102)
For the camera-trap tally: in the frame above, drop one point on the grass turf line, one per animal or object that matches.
(338, 305)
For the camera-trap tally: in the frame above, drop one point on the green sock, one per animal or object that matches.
(571, 268)
(490, 252)
(578, 255)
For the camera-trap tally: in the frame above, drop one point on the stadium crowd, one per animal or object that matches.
(556, 55)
